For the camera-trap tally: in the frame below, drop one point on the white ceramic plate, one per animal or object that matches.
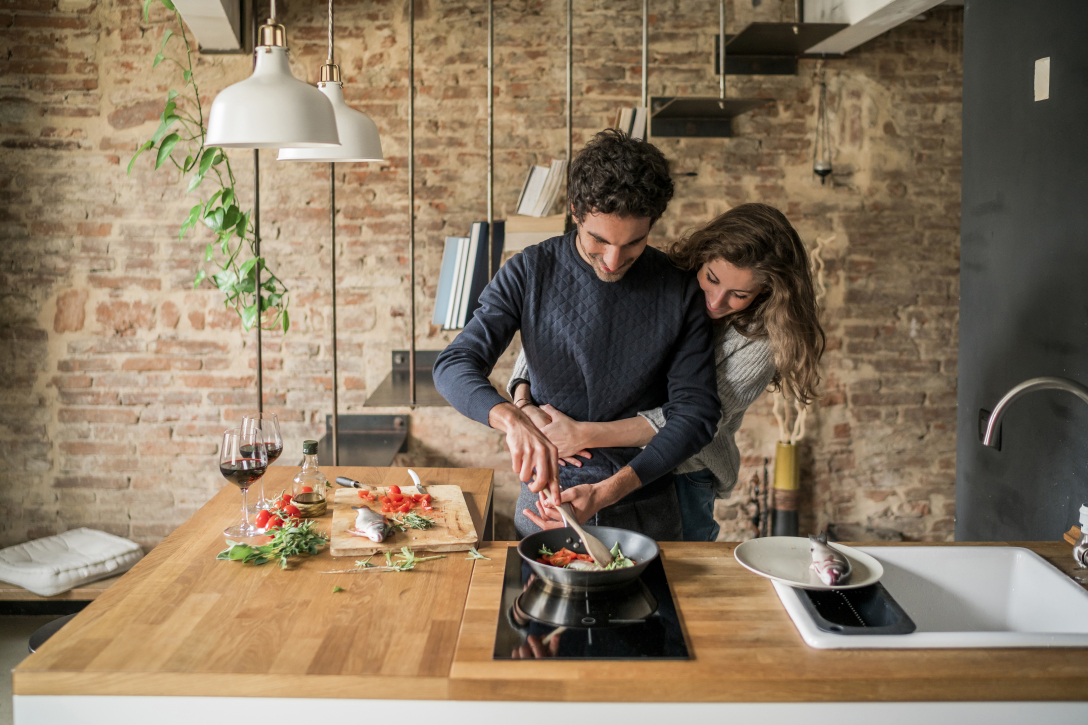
(786, 559)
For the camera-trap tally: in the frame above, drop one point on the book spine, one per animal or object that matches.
(471, 267)
(445, 282)
(479, 273)
(458, 278)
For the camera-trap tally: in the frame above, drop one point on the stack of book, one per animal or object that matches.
(632, 121)
(463, 275)
(541, 188)
(524, 231)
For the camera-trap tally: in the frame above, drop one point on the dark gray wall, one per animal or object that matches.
(1024, 268)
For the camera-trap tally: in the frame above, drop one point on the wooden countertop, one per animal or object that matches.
(182, 623)
(746, 649)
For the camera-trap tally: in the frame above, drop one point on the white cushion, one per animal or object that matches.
(58, 563)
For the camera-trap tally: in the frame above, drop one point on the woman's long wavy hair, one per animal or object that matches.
(759, 238)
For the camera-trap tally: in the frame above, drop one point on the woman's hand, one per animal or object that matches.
(584, 499)
(546, 517)
(567, 435)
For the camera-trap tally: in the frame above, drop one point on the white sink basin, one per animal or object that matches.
(966, 596)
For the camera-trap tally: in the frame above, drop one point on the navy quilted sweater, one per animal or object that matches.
(598, 351)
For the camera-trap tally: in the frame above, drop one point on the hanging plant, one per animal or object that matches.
(181, 135)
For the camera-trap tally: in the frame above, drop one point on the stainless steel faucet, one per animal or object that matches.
(1080, 551)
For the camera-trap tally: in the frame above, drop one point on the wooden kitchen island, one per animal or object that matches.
(184, 637)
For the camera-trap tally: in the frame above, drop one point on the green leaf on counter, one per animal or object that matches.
(337, 589)
(474, 554)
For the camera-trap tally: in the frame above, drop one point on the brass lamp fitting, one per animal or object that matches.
(330, 73)
(272, 35)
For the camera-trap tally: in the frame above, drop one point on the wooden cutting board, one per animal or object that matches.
(452, 531)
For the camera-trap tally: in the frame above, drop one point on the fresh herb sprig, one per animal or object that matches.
(474, 554)
(408, 559)
(411, 521)
(404, 561)
(287, 541)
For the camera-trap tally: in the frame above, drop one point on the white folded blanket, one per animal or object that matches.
(58, 563)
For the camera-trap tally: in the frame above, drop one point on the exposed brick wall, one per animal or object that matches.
(117, 377)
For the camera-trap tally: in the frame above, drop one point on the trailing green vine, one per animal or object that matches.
(182, 130)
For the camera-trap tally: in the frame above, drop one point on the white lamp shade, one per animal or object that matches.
(271, 109)
(359, 139)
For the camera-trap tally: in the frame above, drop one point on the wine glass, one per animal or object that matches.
(242, 461)
(267, 430)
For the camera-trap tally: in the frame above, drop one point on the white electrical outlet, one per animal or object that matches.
(1042, 79)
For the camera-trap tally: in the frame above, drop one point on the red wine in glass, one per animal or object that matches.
(242, 473)
(271, 449)
(267, 429)
(243, 459)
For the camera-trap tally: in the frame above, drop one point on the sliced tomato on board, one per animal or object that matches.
(394, 489)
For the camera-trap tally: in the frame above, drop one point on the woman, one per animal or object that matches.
(755, 274)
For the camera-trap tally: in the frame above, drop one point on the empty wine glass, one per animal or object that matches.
(267, 428)
(242, 461)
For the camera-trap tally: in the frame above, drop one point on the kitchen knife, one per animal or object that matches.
(415, 480)
(352, 483)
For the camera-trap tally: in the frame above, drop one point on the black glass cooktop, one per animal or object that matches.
(638, 621)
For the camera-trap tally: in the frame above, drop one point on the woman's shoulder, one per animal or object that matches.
(731, 341)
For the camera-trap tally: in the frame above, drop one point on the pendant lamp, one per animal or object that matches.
(359, 139)
(271, 109)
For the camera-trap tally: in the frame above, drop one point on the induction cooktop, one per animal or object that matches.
(539, 620)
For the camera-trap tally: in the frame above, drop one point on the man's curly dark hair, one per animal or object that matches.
(617, 174)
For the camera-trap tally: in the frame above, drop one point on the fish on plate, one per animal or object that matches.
(369, 524)
(830, 565)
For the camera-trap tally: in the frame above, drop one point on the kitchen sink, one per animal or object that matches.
(965, 596)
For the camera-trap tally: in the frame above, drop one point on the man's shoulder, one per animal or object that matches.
(541, 255)
(658, 265)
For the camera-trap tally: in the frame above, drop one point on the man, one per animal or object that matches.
(609, 328)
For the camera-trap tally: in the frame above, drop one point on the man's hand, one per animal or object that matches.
(530, 450)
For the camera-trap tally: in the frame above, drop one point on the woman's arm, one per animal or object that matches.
(570, 435)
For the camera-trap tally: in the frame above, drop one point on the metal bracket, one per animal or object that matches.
(393, 391)
(368, 440)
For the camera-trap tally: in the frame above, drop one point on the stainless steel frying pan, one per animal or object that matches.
(639, 547)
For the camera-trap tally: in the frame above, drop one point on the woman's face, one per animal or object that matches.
(728, 289)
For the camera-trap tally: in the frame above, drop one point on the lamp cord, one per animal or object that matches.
(330, 32)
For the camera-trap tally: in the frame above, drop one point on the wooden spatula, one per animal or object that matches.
(596, 549)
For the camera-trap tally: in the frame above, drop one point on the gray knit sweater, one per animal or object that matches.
(745, 367)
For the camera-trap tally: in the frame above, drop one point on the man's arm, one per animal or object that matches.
(693, 408)
(461, 370)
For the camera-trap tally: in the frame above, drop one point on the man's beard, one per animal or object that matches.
(595, 263)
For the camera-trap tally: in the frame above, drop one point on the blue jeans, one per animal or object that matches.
(696, 493)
